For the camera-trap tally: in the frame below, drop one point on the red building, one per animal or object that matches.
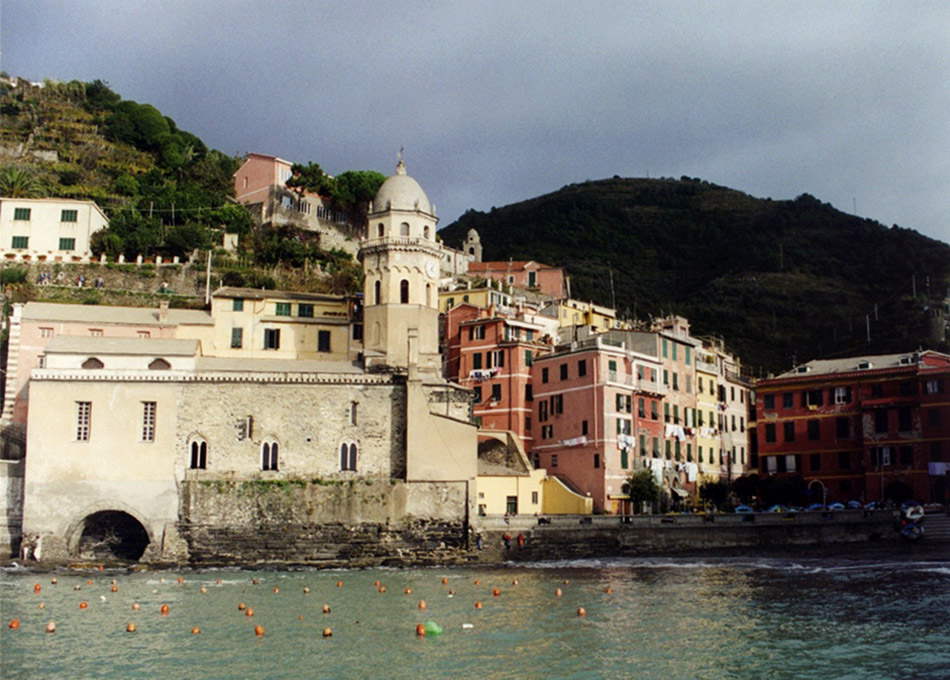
(528, 275)
(492, 355)
(598, 408)
(865, 428)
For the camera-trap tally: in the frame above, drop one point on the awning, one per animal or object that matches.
(682, 493)
(618, 497)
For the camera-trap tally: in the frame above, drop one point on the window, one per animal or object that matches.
(643, 445)
(543, 410)
(880, 421)
(666, 377)
(676, 380)
(496, 392)
(687, 356)
(46, 332)
(880, 456)
(95, 332)
(656, 447)
(271, 338)
(528, 392)
(404, 292)
(377, 292)
(843, 428)
(477, 394)
(666, 412)
(563, 371)
(380, 230)
(92, 363)
(476, 360)
(237, 338)
(877, 391)
(544, 375)
(669, 450)
(528, 358)
(596, 460)
(844, 460)
(812, 398)
(534, 498)
(904, 419)
(143, 334)
(933, 417)
(69, 216)
(623, 403)
(476, 332)
(269, 453)
(814, 462)
(788, 400)
(557, 403)
(907, 456)
(496, 358)
(305, 311)
(67, 244)
(768, 401)
(83, 420)
(237, 305)
(148, 421)
(654, 410)
(159, 365)
(554, 460)
(933, 387)
(675, 347)
(283, 308)
(348, 456)
(789, 432)
(582, 367)
(20, 242)
(623, 426)
(404, 229)
(641, 408)
(689, 452)
(323, 341)
(770, 433)
(199, 455)
(699, 454)
(813, 430)
(842, 395)
(527, 423)
(547, 432)
(21, 214)
(908, 389)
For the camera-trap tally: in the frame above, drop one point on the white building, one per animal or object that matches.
(48, 229)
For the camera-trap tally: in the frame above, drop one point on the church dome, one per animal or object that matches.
(401, 192)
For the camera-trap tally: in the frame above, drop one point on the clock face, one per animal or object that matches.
(432, 269)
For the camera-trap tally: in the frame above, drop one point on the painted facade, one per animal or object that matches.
(48, 229)
(529, 275)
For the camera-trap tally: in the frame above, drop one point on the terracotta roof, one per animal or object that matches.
(505, 265)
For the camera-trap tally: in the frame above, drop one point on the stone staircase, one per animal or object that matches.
(937, 528)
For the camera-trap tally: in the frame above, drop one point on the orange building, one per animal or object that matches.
(528, 275)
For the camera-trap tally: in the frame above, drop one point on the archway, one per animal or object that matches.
(112, 534)
(898, 492)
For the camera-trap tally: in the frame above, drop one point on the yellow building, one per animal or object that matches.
(577, 313)
(708, 440)
(482, 294)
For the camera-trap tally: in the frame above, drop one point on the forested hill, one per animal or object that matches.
(780, 281)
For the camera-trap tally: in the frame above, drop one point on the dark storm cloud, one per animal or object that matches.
(497, 102)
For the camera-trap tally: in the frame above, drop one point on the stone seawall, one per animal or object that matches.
(323, 522)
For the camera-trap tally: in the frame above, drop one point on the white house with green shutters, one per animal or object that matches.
(48, 229)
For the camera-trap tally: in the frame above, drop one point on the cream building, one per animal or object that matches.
(48, 229)
(176, 448)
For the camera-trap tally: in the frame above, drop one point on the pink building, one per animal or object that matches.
(529, 275)
(492, 355)
(597, 407)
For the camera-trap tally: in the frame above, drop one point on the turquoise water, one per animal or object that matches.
(669, 619)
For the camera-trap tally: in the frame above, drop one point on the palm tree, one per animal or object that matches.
(18, 183)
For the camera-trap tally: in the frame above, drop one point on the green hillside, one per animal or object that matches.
(780, 281)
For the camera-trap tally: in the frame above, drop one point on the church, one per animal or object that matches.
(170, 449)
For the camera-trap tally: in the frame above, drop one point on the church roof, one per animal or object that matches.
(401, 192)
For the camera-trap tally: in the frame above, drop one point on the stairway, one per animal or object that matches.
(937, 528)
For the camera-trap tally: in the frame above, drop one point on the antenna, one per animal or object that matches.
(613, 297)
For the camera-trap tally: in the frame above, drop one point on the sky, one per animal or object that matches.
(496, 102)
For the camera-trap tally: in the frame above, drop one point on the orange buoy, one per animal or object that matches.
(408, 591)
(420, 630)
(14, 624)
(327, 632)
(196, 630)
(181, 580)
(203, 590)
(101, 567)
(478, 605)
(444, 580)
(422, 604)
(164, 609)
(581, 611)
(259, 631)
(477, 582)
(130, 628)
(306, 590)
(37, 588)
(276, 590)
(558, 593)
(83, 605)
(50, 627)
(89, 582)
(339, 584)
(300, 617)
(495, 592)
(240, 606)
(249, 611)
(326, 609)
(219, 582)
(382, 589)
(135, 606)
(376, 583)
(41, 605)
(115, 589)
(608, 590)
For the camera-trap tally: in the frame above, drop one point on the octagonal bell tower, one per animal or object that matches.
(400, 259)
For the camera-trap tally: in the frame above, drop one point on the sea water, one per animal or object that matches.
(663, 618)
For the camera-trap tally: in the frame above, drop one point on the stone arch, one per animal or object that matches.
(196, 454)
(270, 454)
(109, 531)
(380, 230)
(404, 229)
(159, 364)
(93, 363)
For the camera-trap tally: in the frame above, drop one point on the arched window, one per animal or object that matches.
(92, 362)
(404, 291)
(425, 231)
(269, 451)
(159, 365)
(348, 456)
(404, 229)
(380, 230)
(377, 292)
(199, 454)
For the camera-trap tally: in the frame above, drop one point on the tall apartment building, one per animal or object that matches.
(863, 428)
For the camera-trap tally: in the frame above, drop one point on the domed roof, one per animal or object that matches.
(473, 235)
(401, 192)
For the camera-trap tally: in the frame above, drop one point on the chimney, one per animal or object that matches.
(163, 311)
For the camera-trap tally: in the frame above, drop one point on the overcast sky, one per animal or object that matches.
(496, 102)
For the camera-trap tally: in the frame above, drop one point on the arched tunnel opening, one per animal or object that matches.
(112, 534)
